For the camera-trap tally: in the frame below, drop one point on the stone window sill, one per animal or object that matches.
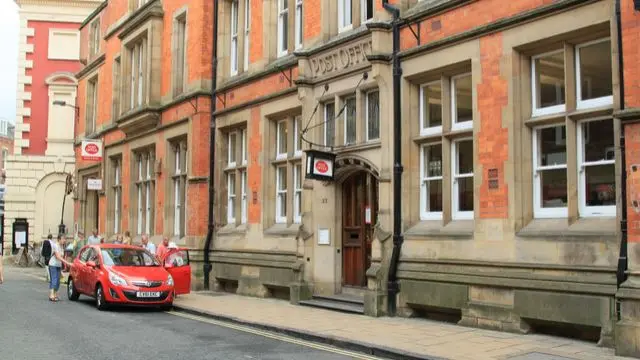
(283, 230)
(585, 229)
(458, 229)
(232, 229)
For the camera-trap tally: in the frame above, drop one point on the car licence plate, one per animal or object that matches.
(148, 294)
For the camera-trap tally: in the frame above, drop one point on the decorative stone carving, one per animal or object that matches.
(341, 59)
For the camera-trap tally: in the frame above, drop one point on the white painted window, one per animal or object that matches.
(550, 171)
(234, 37)
(547, 83)
(431, 181)
(372, 114)
(281, 194)
(180, 54)
(350, 120)
(141, 50)
(132, 82)
(281, 139)
(461, 102)
(297, 193)
(329, 123)
(231, 149)
(64, 44)
(247, 32)
(596, 168)
(244, 146)
(431, 108)
(231, 198)
(299, 23)
(283, 27)
(462, 170)
(594, 80)
(367, 8)
(243, 194)
(179, 178)
(148, 216)
(345, 21)
(297, 136)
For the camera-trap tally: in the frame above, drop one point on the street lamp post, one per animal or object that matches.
(68, 187)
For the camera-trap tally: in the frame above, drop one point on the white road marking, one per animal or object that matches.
(270, 335)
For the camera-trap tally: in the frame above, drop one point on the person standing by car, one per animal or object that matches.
(46, 254)
(93, 239)
(127, 238)
(55, 268)
(149, 246)
(163, 248)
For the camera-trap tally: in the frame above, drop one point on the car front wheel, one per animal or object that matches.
(101, 303)
(72, 292)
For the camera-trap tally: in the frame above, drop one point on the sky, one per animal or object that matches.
(9, 28)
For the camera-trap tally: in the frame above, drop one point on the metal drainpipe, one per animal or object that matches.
(392, 284)
(622, 259)
(212, 148)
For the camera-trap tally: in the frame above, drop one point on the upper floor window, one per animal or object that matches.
(234, 37)
(139, 3)
(548, 88)
(461, 102)
(247, 30)
(431, 108)
(92, 105)
(329, 123)
(94, 37)
(281, 139)
(179, 54)
(137, 54)
(345, 20)
(367, 8)
(297, 136)
(299, 23)
(117, 79)
(372, 116)
(350, 120)
(283, 27)
(179, 187)
(594, 80)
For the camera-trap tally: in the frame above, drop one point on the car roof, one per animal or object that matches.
(117, 246)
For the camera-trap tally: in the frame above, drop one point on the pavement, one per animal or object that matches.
(387, 337)
(33, 328)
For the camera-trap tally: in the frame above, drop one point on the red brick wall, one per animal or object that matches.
(254, 172)
(492, 140)
(42, 68)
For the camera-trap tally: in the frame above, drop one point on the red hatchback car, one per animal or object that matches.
(128, 275)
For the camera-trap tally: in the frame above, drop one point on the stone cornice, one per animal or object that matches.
(91, 66)
(94, 14)
(60, 3)
(275, 67)
(151, 9)
(335, 42)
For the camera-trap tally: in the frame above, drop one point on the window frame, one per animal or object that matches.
(326, 122)
(583, 209)
(233, 52)
(91, 121)
(355, 119)
(433, 130)
(247, 33)
(455, 200)
(345, 5)
(279, 138)
(297, 193)
(589, 103)
(549, 110)
(243, 152)
(540, 212)
(363, 11)
(231, 197)
(180, 64)
(116, 189)
(464, 125)
(231, 149)
(243, 196)
(424, 214)
(366, 115)
(299, 34)
(179, 187)
(283, 29)
(281, 195)
(297, 136)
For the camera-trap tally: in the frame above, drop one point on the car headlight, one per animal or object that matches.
(117, 280)
(170, 281)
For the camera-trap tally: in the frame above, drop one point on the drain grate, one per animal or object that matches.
(539, 356)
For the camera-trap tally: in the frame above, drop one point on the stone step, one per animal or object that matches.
(343, 298)
(334, 305)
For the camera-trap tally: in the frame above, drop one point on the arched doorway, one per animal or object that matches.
(359, 212)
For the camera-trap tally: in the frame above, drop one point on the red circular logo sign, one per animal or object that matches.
(91, 149)
(322, 166)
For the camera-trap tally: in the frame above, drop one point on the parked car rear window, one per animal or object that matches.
(128, 257)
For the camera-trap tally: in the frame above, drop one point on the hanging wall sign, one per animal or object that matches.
(320, 165)
(91, 150)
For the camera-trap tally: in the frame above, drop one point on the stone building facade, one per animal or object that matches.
(48, 57)
(511, 202)
(145, 93)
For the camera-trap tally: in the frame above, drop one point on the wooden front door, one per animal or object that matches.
(359, 211)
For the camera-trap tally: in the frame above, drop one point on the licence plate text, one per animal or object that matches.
(148, 294)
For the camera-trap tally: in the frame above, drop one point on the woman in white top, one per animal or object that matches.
(55, 268)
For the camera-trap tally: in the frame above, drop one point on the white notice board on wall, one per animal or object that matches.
(324, 236)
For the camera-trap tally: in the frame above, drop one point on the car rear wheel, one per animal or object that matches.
(72, 292)
(101, 303)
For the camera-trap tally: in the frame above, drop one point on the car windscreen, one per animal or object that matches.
(128, 257)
